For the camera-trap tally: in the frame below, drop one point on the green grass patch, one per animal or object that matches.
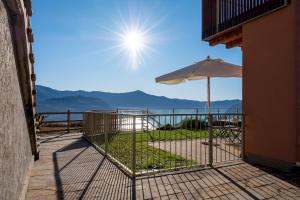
(120, 146)
(178, 134)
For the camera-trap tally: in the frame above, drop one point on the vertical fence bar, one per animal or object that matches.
(210, 140)
(173, 118)
(243, 137)
(83, 123)
(105, 124)
(82, 118)
(68, 121)
(133, 188)
(147, 125)
(134, 146)
(217, 15)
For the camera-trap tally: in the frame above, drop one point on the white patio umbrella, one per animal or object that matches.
(205, 69)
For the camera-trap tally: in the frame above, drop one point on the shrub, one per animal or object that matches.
(167, 127)
(194, 124)
(197, 124)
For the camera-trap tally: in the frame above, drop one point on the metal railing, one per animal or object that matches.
(59, 121)
(221, 15)
(151, 143)
(72, 121)
(179, 110)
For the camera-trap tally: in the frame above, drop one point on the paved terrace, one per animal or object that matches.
(70, 168)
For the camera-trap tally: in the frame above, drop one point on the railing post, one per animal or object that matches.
(92, 125)
(218, 15)
(106, 128)
(142, 123)
(134, 146)
(173, 117)
(210, 140)
(133, 189)
(147, 119)
(83, 123)
(68, 121)
(120, 118)
(243, 137)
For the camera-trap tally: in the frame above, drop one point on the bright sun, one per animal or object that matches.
(134, 41)
(133, 38)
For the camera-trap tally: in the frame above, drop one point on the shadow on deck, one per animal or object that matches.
(70, 168)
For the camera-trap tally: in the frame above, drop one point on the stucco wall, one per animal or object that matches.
(269, 86)
(298, 76)
(15, 148)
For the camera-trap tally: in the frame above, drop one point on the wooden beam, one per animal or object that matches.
(235, 43)
(227, 37)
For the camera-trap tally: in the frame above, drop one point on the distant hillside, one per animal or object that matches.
(235, 108)
(73, 103)
(49, 98)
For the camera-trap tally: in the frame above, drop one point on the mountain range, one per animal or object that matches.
(52, 100)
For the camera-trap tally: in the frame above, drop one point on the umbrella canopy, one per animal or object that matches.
(202, 70)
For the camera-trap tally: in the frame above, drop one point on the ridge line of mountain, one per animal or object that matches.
(81, 100)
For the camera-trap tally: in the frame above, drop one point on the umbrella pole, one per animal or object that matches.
(210, 135)
(208, 94)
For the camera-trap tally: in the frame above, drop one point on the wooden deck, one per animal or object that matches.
(70, 168)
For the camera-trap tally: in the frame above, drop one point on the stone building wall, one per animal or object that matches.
(17, 132)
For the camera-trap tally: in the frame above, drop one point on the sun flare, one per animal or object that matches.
(134, 41)
(132, 36)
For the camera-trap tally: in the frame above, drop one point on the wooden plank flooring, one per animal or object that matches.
(70, 168)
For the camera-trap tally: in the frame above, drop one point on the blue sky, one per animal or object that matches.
(77, 47)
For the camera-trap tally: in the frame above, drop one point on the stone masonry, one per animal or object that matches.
(17, 100)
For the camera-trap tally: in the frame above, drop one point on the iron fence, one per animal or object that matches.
(67, 121)
(179, 110)
(59, 121)
(150, 143)
(222, 15)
